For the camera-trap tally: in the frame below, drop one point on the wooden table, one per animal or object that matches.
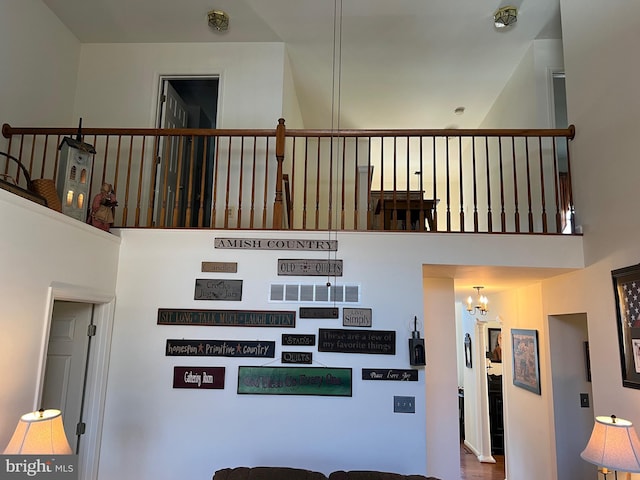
(394, 206)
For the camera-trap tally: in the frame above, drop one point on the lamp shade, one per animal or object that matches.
(614, 444)
(39, 433)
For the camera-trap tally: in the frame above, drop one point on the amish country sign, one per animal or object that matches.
(198, 377)
(220, 348)
(295, 381)
(381, 342)
(389, 374)
(276, 244)
(227, 318)
(214, 289)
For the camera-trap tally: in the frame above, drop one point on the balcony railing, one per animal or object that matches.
(419, 180)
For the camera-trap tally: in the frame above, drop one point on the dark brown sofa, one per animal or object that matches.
(286, 473)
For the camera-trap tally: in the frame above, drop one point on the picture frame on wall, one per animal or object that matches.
(494, 343)
(526, 360)
(626, 288)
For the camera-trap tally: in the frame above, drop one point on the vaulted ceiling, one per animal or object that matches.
(398, 64)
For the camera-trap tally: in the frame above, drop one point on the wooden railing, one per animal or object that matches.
(439, 180)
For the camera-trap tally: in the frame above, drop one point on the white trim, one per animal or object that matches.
(97, 368)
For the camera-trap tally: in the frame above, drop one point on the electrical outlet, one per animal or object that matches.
(404, 404)
(231, 212)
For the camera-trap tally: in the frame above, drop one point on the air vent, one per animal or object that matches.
(293, 292)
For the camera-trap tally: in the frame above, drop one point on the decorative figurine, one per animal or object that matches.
(103, 207)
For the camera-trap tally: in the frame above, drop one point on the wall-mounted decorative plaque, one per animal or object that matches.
(297, 357)
(319, 312)
(298, 340)
(220, 267)
(276, 244)
(198, 377)
(389, 374)
(220, 348)
(356, 317)
(227, 318)
(218, 289)
(295, 381)
(381, 342)
(310, 268)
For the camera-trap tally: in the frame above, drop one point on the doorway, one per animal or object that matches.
(65, 374)
(184, 175)
(572, 393)
(76, 307)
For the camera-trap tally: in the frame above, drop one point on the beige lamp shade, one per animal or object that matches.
(39, 433)
(614, 444)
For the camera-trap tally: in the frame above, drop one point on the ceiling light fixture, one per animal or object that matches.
(218, 20)
(482, 303)
(505, 17)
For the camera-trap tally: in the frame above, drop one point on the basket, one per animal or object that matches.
(47, 189)
(42, 191)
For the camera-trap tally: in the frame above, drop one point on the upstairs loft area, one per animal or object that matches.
(478, 181)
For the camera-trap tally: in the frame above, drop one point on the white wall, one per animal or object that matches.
(42, 249)
(39, 59)
(118, 83)
(204, 431)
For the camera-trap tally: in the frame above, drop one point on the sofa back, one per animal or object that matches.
(267, 473)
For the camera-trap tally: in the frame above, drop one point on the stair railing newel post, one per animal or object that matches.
(277, 204)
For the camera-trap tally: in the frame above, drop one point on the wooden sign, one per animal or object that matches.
(198, 378)
(356, 317)
(298, 340)
(220, 267)
(319, 312)
(227, 318)
(295, 381)
(212, 289)
(310, 268)
(297, 357)
(389, 374)
(276, 244)
(220, 348)
(382, 342)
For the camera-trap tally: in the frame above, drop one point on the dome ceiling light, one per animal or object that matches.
(505, 17)
(218, 20)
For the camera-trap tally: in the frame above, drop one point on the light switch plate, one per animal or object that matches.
(584, 400)
(404, 404)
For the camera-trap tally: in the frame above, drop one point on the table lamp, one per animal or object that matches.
(614, 445)
(39, 433)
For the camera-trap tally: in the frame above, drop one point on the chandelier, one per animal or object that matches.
(218, 20)
(482, 303)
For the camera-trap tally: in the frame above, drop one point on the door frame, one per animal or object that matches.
(97, 366)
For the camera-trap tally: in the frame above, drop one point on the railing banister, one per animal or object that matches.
(277, 204)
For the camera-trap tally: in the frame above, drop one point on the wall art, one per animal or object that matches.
(344, 340)
(220, 348)
(626, 288)
(526, 363)
(323, 381)
(227, 318)
(198, 377)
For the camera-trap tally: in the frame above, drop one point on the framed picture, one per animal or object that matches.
(526, 363)
(467, 350)
(626, 288)
(494, 342)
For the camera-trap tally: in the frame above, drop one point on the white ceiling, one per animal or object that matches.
(402, 63)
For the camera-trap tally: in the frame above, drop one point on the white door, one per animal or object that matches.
(66, 363)
(174, 115)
